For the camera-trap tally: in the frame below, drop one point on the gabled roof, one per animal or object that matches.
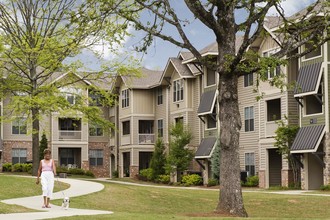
(182, 69)
(149, 78)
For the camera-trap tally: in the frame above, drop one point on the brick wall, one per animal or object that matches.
(327, 159)
(9, 145)
(104, 170)
(287, 177)
(262, 178)
(133, 171)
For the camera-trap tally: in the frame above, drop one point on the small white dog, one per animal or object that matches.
(65, 203)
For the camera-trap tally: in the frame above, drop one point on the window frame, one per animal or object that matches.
(268, 117)
(125, 98)
(124, 131)
(271, 73)
(20, 158)
(311, 58)
(159, 96)
(19, 125)
(98, 160)
(178, 90)
(97, 128)
(160, 129)
(249, 119)
(248, 80)
(247, 165)
(207, 78)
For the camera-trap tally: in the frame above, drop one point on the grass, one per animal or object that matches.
(16, 187)
(136, 202)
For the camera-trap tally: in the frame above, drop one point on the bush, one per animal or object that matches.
(27, 167)
(145, 174)
(115, 174)
(252, 181)
(17, 167)
(192, 180)
(61, 169)
(212, 182)
(7, 167)
(163, 179)
(325, 187)
(89, 173)
(76, 171)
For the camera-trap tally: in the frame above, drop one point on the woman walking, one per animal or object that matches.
(47, 171)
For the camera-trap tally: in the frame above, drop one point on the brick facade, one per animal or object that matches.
(133, 171)
(9, 145)
(262, 178)
(286, 178)
(327, 159)
(102, 170)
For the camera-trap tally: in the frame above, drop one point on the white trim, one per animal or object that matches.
(202, 55)
(312, 58)
(326, 86)
(274, 37)
(182, 111)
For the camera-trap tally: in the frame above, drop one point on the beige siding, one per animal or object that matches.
(143, 101)
(249, 141)
(268, 44)
(180, 105)
(127, 110)
(160, 114)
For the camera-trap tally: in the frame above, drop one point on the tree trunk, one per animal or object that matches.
(230, 200)
(35, 140)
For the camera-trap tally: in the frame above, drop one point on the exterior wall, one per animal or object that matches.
(161, 113)
(103, 170)
(9, 145)
(143, 101)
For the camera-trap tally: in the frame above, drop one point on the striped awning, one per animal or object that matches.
(308, 139)
(309, 79)
(207, 103)
(205, 148)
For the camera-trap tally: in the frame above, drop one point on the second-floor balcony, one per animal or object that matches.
(65, 135)
(271, 127)
(146, 138)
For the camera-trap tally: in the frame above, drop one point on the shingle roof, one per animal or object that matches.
(272, 21)
(318, 8)
(148, 79)
(182, 69)
(308, 139)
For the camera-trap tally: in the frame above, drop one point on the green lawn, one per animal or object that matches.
(15, 187)
(136, 202)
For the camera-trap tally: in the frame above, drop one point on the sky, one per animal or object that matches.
(160, 51)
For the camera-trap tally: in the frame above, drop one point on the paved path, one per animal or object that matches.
(77, 188)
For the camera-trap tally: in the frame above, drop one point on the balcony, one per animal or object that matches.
(146, 138)
(271, 127)
(66, 135)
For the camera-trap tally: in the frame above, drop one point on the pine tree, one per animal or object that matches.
(43, 145)
(158, 159)
(215, 162)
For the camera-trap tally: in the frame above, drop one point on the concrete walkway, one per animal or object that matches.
(77, 188)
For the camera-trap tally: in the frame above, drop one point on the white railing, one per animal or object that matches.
(146, 138)
(271, 127)
(69, 135)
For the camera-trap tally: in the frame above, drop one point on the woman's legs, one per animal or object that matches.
(47, 182)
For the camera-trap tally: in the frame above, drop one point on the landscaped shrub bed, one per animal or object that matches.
(74, 171)
(17, 167)
(192, 180)
(252, 181)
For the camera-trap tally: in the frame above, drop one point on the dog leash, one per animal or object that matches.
(59, 184)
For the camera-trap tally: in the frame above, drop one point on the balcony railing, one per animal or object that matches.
(69, 135)
(271, 127)
(146, 138)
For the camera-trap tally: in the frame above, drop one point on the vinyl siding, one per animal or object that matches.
(143, 101)
(160, 113)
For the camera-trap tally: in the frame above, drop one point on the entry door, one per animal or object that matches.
(275, 167)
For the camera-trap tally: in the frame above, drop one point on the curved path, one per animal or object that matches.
(77, 188)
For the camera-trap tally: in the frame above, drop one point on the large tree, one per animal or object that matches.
(36, 37)
(219, 17)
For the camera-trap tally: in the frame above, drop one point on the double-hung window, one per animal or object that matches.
(125, 98)
(160, 128)
(250, 164)
(96, 157)
(248, 79)
(18, 155)
(249, 118)
(178, 90)
(19, 125)
(159, 95)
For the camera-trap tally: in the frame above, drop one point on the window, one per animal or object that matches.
(274, 110)
(159, 96)
(315, 53)
(125, 98)
(95, 98)
(272, 71)
(179, 120)
(96, 157)
(19, 125)
(126, 127)
(160, 128)
(210, 77)
(211, 120)
(146, 127)
(248, 79)
(70, 94)
(178, 90)
(249, 164)
(67, 156)
(313, 105)
(95, 130)
(69, 124)
(249, 118)
(18, 155)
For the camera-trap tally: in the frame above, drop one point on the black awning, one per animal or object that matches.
(205, 149)
(207, 102)
(308, 139)
(308, 80)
